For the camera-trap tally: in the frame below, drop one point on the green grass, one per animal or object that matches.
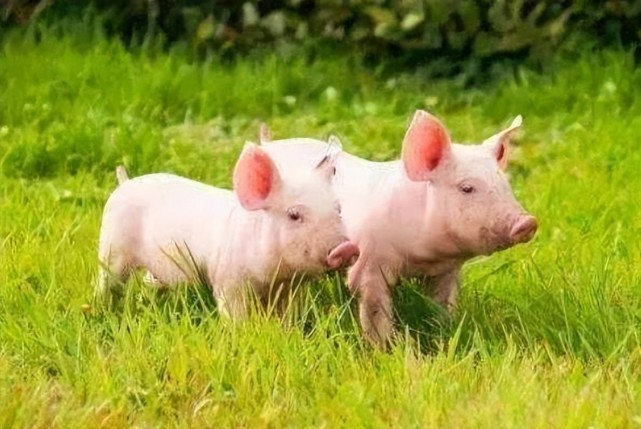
(547, 334)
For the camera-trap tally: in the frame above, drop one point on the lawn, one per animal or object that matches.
(547, 334)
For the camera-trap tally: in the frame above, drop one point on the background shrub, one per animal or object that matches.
(449, 36)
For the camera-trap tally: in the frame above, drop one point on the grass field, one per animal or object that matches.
(547, 334)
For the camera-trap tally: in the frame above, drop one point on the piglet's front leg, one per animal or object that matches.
(232, 298)
(446, 288)
(375, 302)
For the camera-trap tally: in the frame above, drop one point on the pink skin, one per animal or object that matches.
(345, 253)
(423, 215)
(276, 223)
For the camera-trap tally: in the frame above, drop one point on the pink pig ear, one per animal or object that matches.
(256, 178)
(426, 145)
(499, 143)
(264, 133)
(327, 165)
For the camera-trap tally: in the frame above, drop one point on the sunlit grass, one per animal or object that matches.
(546, 335)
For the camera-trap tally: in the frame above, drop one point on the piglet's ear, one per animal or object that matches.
(256, 178)
(264, 133)
(327, 165)
(499, 143)
(425, 147)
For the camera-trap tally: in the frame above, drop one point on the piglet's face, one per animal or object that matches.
(470, 199)
(304, 215)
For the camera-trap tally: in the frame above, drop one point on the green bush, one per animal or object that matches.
(444, 34)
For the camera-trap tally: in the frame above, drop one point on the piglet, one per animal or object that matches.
(423, 215)
(272, 225)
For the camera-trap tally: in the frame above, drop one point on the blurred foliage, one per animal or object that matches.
(445, 34)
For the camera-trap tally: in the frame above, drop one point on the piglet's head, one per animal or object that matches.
(472, 209)
(300, 210)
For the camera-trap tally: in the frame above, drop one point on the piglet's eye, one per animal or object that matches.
(466, 188)
(294, 214)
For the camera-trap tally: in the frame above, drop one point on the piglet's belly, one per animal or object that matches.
(431, 268)
(171, 263)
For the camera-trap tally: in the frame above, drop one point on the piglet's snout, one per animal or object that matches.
(344, 254)
(523, 229)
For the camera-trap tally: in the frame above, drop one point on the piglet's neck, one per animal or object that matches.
(254, 242)
(409, 202)
(422, 223)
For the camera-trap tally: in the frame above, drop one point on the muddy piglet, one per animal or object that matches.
(272, 225)
(423, 215)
